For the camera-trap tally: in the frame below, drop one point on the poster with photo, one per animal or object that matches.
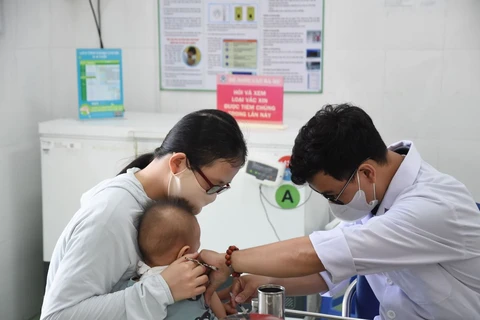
(204, 38)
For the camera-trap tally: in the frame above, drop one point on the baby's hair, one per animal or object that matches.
(165, 224)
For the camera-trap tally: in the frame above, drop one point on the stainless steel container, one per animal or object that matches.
(271, 300)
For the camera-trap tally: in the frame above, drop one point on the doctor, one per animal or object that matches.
(413, 231)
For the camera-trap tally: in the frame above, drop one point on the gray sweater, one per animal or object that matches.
(97, 254)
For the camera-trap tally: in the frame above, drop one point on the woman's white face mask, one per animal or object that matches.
(356, 209)
(184, 184)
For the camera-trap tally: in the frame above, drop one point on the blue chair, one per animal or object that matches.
(333, 305)
(360, 301)
(478, 205)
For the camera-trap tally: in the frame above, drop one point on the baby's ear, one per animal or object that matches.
(183, 251)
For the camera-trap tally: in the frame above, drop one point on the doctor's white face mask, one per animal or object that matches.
(184, 184)
(356, 209)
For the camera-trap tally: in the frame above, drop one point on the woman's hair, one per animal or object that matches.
(204, 136)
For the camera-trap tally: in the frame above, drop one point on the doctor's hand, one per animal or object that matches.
(185, 278)
(243, 289)
(217, 278)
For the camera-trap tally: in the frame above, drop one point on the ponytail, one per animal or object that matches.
(140, 162)
(204, 136)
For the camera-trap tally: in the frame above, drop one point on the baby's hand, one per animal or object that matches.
(229, 308)
(217, 307)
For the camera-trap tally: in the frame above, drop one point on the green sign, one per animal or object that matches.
(287, 196)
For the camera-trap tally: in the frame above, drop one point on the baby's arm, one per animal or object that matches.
(217, 307)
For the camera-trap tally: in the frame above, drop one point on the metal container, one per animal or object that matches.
(271, 300)
(254, 305)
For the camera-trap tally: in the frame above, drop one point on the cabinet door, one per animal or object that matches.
(69, 168)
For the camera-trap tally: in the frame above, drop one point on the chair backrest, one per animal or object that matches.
(366, 303)
(478, 205)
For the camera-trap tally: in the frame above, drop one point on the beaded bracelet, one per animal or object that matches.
(228, 260)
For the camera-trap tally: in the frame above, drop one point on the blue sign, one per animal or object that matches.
(100, 83)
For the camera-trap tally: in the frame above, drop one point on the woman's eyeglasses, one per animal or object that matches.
(213, 188)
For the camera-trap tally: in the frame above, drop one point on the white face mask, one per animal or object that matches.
(184, 184)
(357, 208)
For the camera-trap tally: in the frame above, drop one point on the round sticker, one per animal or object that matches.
(287, 196)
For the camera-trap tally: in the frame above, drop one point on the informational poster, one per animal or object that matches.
(254, 99)
(100, 86)
(200, 39)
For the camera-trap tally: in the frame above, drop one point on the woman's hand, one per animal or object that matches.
(217, 278)
(185, 279)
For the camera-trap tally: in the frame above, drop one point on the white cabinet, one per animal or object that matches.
(71, 166)
(76, 155)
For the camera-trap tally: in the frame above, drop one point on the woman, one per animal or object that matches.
(97, 252)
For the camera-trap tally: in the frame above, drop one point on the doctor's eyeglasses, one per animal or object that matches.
(334, 199)
(213, 188)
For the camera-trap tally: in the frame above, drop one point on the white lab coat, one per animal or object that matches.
(420, 253)
(96, 256)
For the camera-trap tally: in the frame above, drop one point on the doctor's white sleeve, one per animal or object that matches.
(413, 232)
(93, 262)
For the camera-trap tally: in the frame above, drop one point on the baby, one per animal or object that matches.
(167, 230)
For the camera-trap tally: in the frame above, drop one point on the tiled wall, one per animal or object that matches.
(415, 69)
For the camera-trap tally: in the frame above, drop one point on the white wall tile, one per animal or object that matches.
(418, 27)
(143, 32)
(390, 61)
(9, 294)
(355, 70)
(352, 24)
(114, 24)
(32, 24)
(462, 24)
(21, 239)
(408, 116)
(62, 26)
(8, 36)
(456, 117)
(33, 100)
(461, 71)
(64, 92)
(141, 83)
(184, 102)
(86, 35)
(413, 72)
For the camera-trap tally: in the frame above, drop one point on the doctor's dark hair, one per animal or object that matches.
(204, 136)
(336, 141)
(192, 50)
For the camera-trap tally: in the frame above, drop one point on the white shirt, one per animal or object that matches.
(421, 252)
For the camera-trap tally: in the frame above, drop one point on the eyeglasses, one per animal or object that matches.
(212, 187)
(334, 199)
